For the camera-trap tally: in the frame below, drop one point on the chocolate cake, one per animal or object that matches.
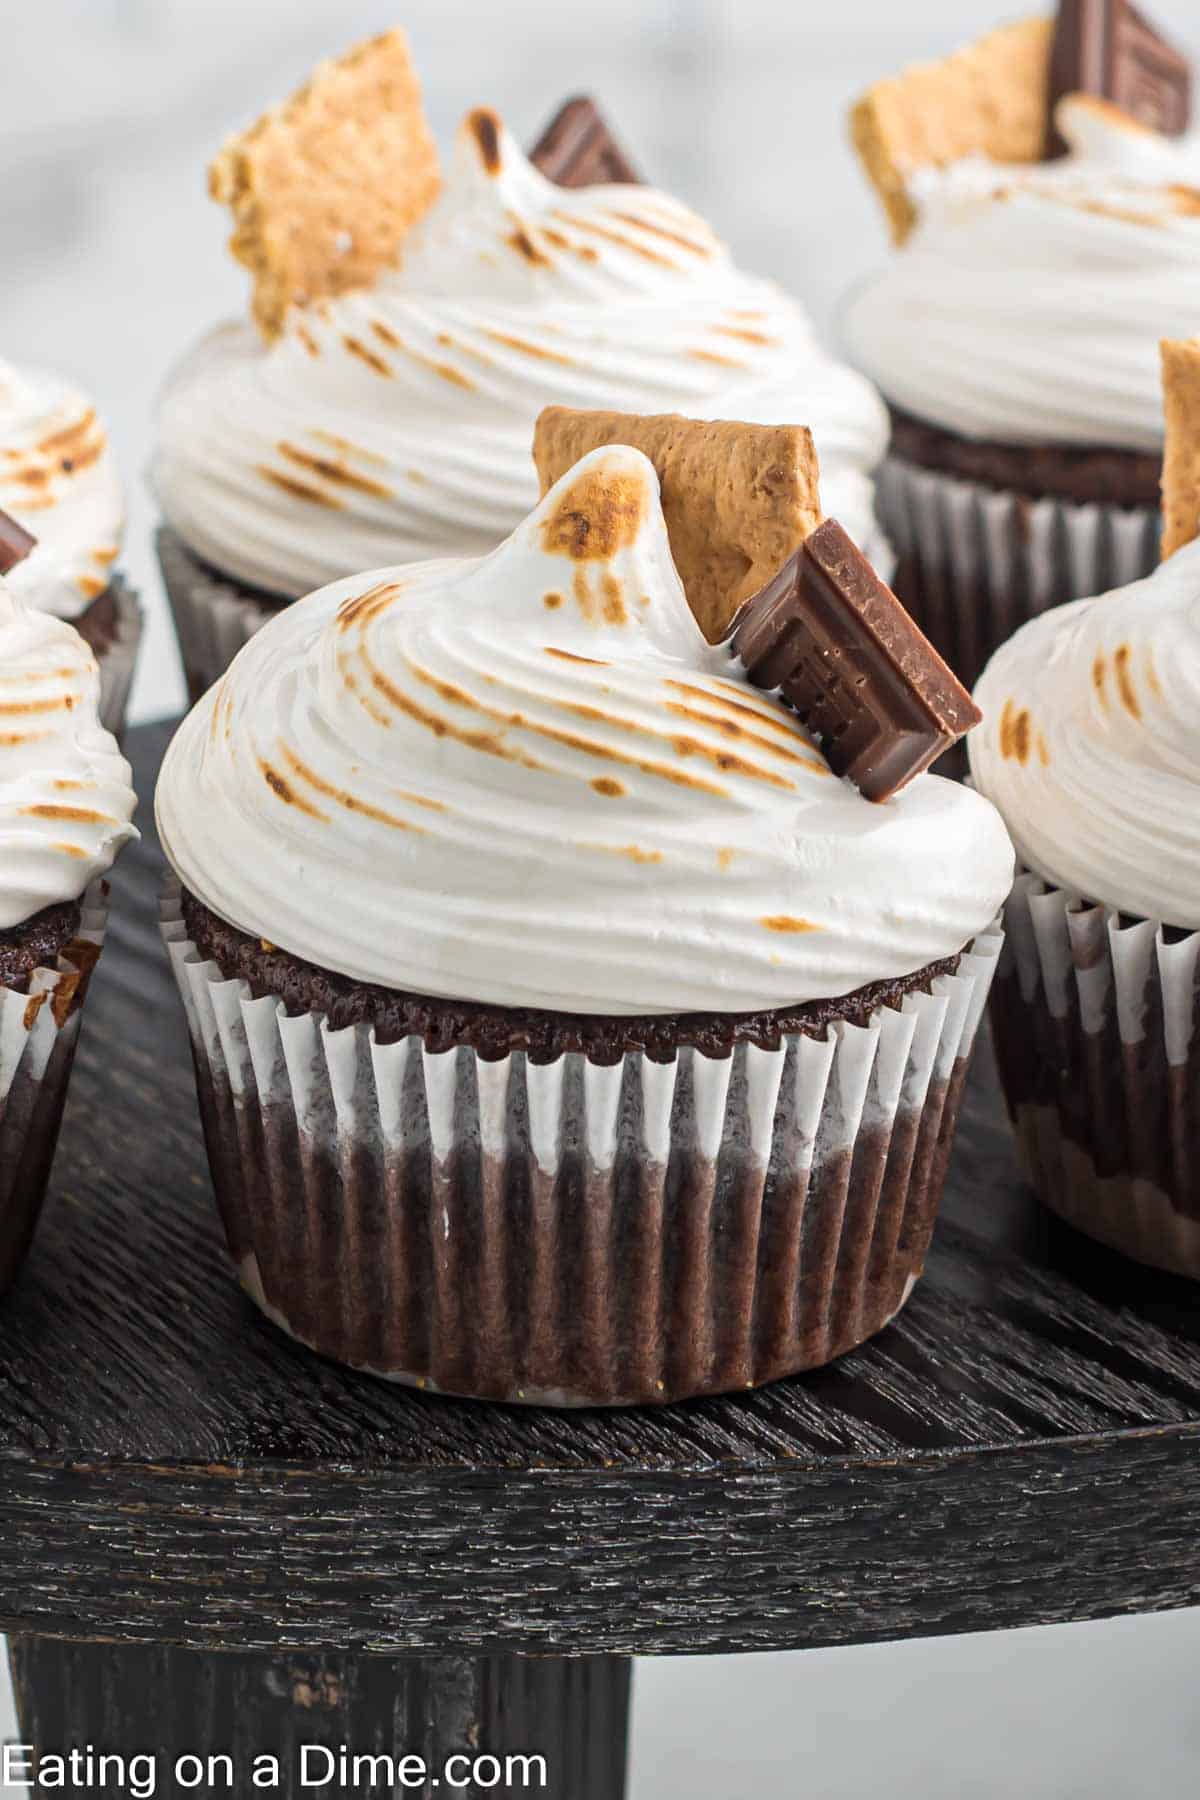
(38, 943)
(66, 808)
(100, 622)
(573, 804)
(1090, 750)
(496, 1031)
(1080, 474)
(615, 1279)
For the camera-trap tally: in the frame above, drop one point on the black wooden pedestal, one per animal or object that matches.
(333, 1723)
(203, 1529)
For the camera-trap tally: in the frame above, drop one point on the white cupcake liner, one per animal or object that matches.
(974, 563)
(119, 660)
(39, 1029)
(1097, 1026)
(571, 1233)
(213, 618)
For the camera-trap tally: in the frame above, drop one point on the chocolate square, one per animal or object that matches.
(841, 650)
(1149, 78)
(15, 543)
(1110, 49)
(577, 149)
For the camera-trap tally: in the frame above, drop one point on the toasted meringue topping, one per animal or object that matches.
(1090, 744)
(66, 804)
(1028, 304)
(432, 778)
(396, 422)
(58, 479)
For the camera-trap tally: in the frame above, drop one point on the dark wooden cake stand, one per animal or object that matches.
(213, 1541)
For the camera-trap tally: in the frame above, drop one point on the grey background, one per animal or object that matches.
(112, 261)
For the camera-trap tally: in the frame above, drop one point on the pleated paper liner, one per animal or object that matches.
(119, 660)
(213, 618)
(1097, 1025)
(974, 564)
(39, 1029)
(571, 1233)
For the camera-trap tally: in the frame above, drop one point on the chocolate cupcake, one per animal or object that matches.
(1013, 331)
(65, 810)
(59, 483)
(565, 1031)
(1090, 749)
(382, 411)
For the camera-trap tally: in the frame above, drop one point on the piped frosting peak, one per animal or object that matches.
(394, 422)
(529, 780)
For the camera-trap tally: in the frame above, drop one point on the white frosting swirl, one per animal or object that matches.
(1028, 304)
(66, 803)
(526, 779)
(58, 479)
(1090, 744)
(396, 424)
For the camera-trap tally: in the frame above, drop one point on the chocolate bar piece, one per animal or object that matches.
(840, 648)
(577, 149)
(1108, 48)
(15, 543)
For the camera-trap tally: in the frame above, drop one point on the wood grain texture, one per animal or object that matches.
(448, 1710)
(1021, 1445)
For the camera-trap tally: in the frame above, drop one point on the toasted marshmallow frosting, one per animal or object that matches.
(396, 423)
(1090, 744)
(66, 803)
(527, 779)
(58, 478)
(1028, 304)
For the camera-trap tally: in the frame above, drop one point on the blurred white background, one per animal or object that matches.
(113, 261)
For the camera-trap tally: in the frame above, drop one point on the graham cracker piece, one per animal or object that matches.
(990, 99)
(737, 499)
(324, 187)
(1181, 453)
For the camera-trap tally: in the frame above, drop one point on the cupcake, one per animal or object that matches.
(1013, 330)
(565, 1031)
(380, 409)
(1090, 749)
(59, 484)
(66, 808)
